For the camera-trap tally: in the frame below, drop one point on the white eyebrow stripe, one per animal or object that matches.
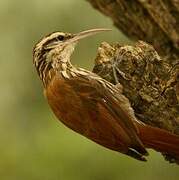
(50, 37)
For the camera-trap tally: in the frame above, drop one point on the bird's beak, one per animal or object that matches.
(86, 33)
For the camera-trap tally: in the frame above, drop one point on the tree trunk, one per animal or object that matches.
(149, 73)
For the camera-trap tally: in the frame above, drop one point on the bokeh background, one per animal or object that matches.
(33, 144)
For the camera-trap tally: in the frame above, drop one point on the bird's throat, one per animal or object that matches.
(59, 61)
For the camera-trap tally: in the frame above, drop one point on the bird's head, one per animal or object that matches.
(57, 47)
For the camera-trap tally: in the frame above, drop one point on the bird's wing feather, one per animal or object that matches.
(97, 89)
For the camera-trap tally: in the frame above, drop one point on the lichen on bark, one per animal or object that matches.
(148, 71)
(149, 82)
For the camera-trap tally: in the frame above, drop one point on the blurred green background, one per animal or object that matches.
(34, 145)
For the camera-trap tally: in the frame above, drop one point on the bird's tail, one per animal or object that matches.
(160, 140)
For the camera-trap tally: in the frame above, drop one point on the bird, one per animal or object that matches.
(92, 106)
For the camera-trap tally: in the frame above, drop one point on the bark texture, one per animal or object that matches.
(149, 73)
(153, 21)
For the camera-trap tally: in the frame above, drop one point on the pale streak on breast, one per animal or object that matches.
(65, 75)
(73, 74)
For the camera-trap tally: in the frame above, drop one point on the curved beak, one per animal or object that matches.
(87, 33)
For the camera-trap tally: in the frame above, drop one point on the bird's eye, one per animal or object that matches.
(60, 38)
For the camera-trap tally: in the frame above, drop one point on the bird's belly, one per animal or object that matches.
(97, 126)
(69, 113)
(99, 131)
(66, 105)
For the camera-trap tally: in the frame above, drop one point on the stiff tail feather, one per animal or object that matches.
(160, 140)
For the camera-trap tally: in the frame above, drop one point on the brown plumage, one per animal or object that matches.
(92, 106)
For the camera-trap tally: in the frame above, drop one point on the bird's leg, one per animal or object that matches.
(121, 73)
(117, 71)
(115, 74)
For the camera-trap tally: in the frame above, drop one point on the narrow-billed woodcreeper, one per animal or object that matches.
(92, 106)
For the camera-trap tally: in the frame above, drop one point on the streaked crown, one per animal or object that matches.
(46, 44)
